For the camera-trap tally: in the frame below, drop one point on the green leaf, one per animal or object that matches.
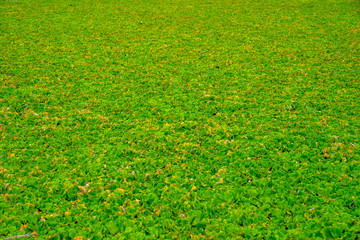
(112, 228)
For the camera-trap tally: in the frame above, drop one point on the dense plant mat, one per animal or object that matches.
(180, 119)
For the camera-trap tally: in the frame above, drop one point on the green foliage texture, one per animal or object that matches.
(182, 119)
